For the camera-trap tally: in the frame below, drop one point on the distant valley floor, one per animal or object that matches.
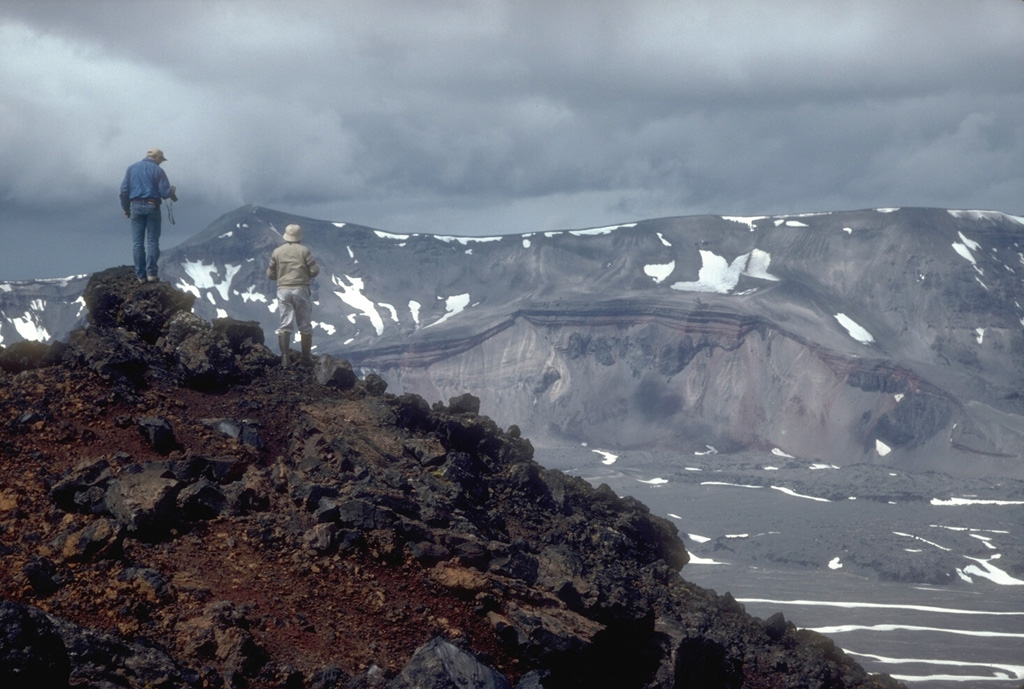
(918, 575)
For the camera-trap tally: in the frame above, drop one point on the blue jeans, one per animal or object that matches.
(145, 238)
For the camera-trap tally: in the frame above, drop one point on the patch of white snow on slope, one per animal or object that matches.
(856, 331)
(718, 275)
(352, 294)
(453, 306)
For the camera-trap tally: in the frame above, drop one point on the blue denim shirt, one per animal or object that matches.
(144, 180)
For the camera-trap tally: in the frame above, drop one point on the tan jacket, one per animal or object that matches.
(292, 265)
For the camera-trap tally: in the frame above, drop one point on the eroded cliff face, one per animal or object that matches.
(719, 380)
(892, 336)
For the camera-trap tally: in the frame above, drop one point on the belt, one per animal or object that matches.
(151, 202)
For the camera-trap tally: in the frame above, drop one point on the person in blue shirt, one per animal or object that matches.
(145, 185)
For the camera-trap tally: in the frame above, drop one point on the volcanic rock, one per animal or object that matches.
(369, 539)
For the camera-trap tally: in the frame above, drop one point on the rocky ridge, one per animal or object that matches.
(179, 511)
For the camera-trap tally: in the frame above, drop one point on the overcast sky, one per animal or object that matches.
(483, 117)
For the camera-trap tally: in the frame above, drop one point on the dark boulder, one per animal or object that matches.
(144, 501)
(42, 576)
(32, 654)
(158, 433)
(438, 664)
(103, 660)
(105, 292)
(206, 362)
(201, 501)
(116, 354)
(114, 298)
(701, 662)
(148, 309)
(83, 489)
(99, 539)
(29, 354)
(336, 373)
(203, 356)
(374, 385)
(464, 404)
(222, 636)
(240, 335)
(245, 431)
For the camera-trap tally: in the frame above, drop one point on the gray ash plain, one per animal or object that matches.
(919, 575)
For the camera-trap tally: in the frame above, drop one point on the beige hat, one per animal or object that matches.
(156, 154)
(293, 233)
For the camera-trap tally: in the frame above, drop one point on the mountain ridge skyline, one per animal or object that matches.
(686, 326)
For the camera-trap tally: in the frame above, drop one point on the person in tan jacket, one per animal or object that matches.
(292, 266)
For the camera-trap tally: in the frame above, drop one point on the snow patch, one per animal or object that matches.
(453, 306)
(466, 240)
(391, 236)
(251, 294)
(961, 502)
(609, 458)
(989, 571)
(601, 230)
(391, 309)
(793, 493)
(29, 329)
(352, 294)
(731, 485)
(856, 331)
(923, 540)
(204, 277)
(834, 563)
(653, 481)
(659, 272)
(745, 220)
(986, 540)
(881, 448)
(986, 215)
(718, 275)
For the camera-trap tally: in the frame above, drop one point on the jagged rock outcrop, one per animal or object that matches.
(367, 540)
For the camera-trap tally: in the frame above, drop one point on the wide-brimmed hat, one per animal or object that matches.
(293, 233)
(156, 154)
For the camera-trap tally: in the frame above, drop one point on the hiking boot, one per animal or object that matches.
(307, 348)
(152, 278)
(283, 340)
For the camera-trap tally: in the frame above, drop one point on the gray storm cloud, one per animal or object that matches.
(493, 117)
